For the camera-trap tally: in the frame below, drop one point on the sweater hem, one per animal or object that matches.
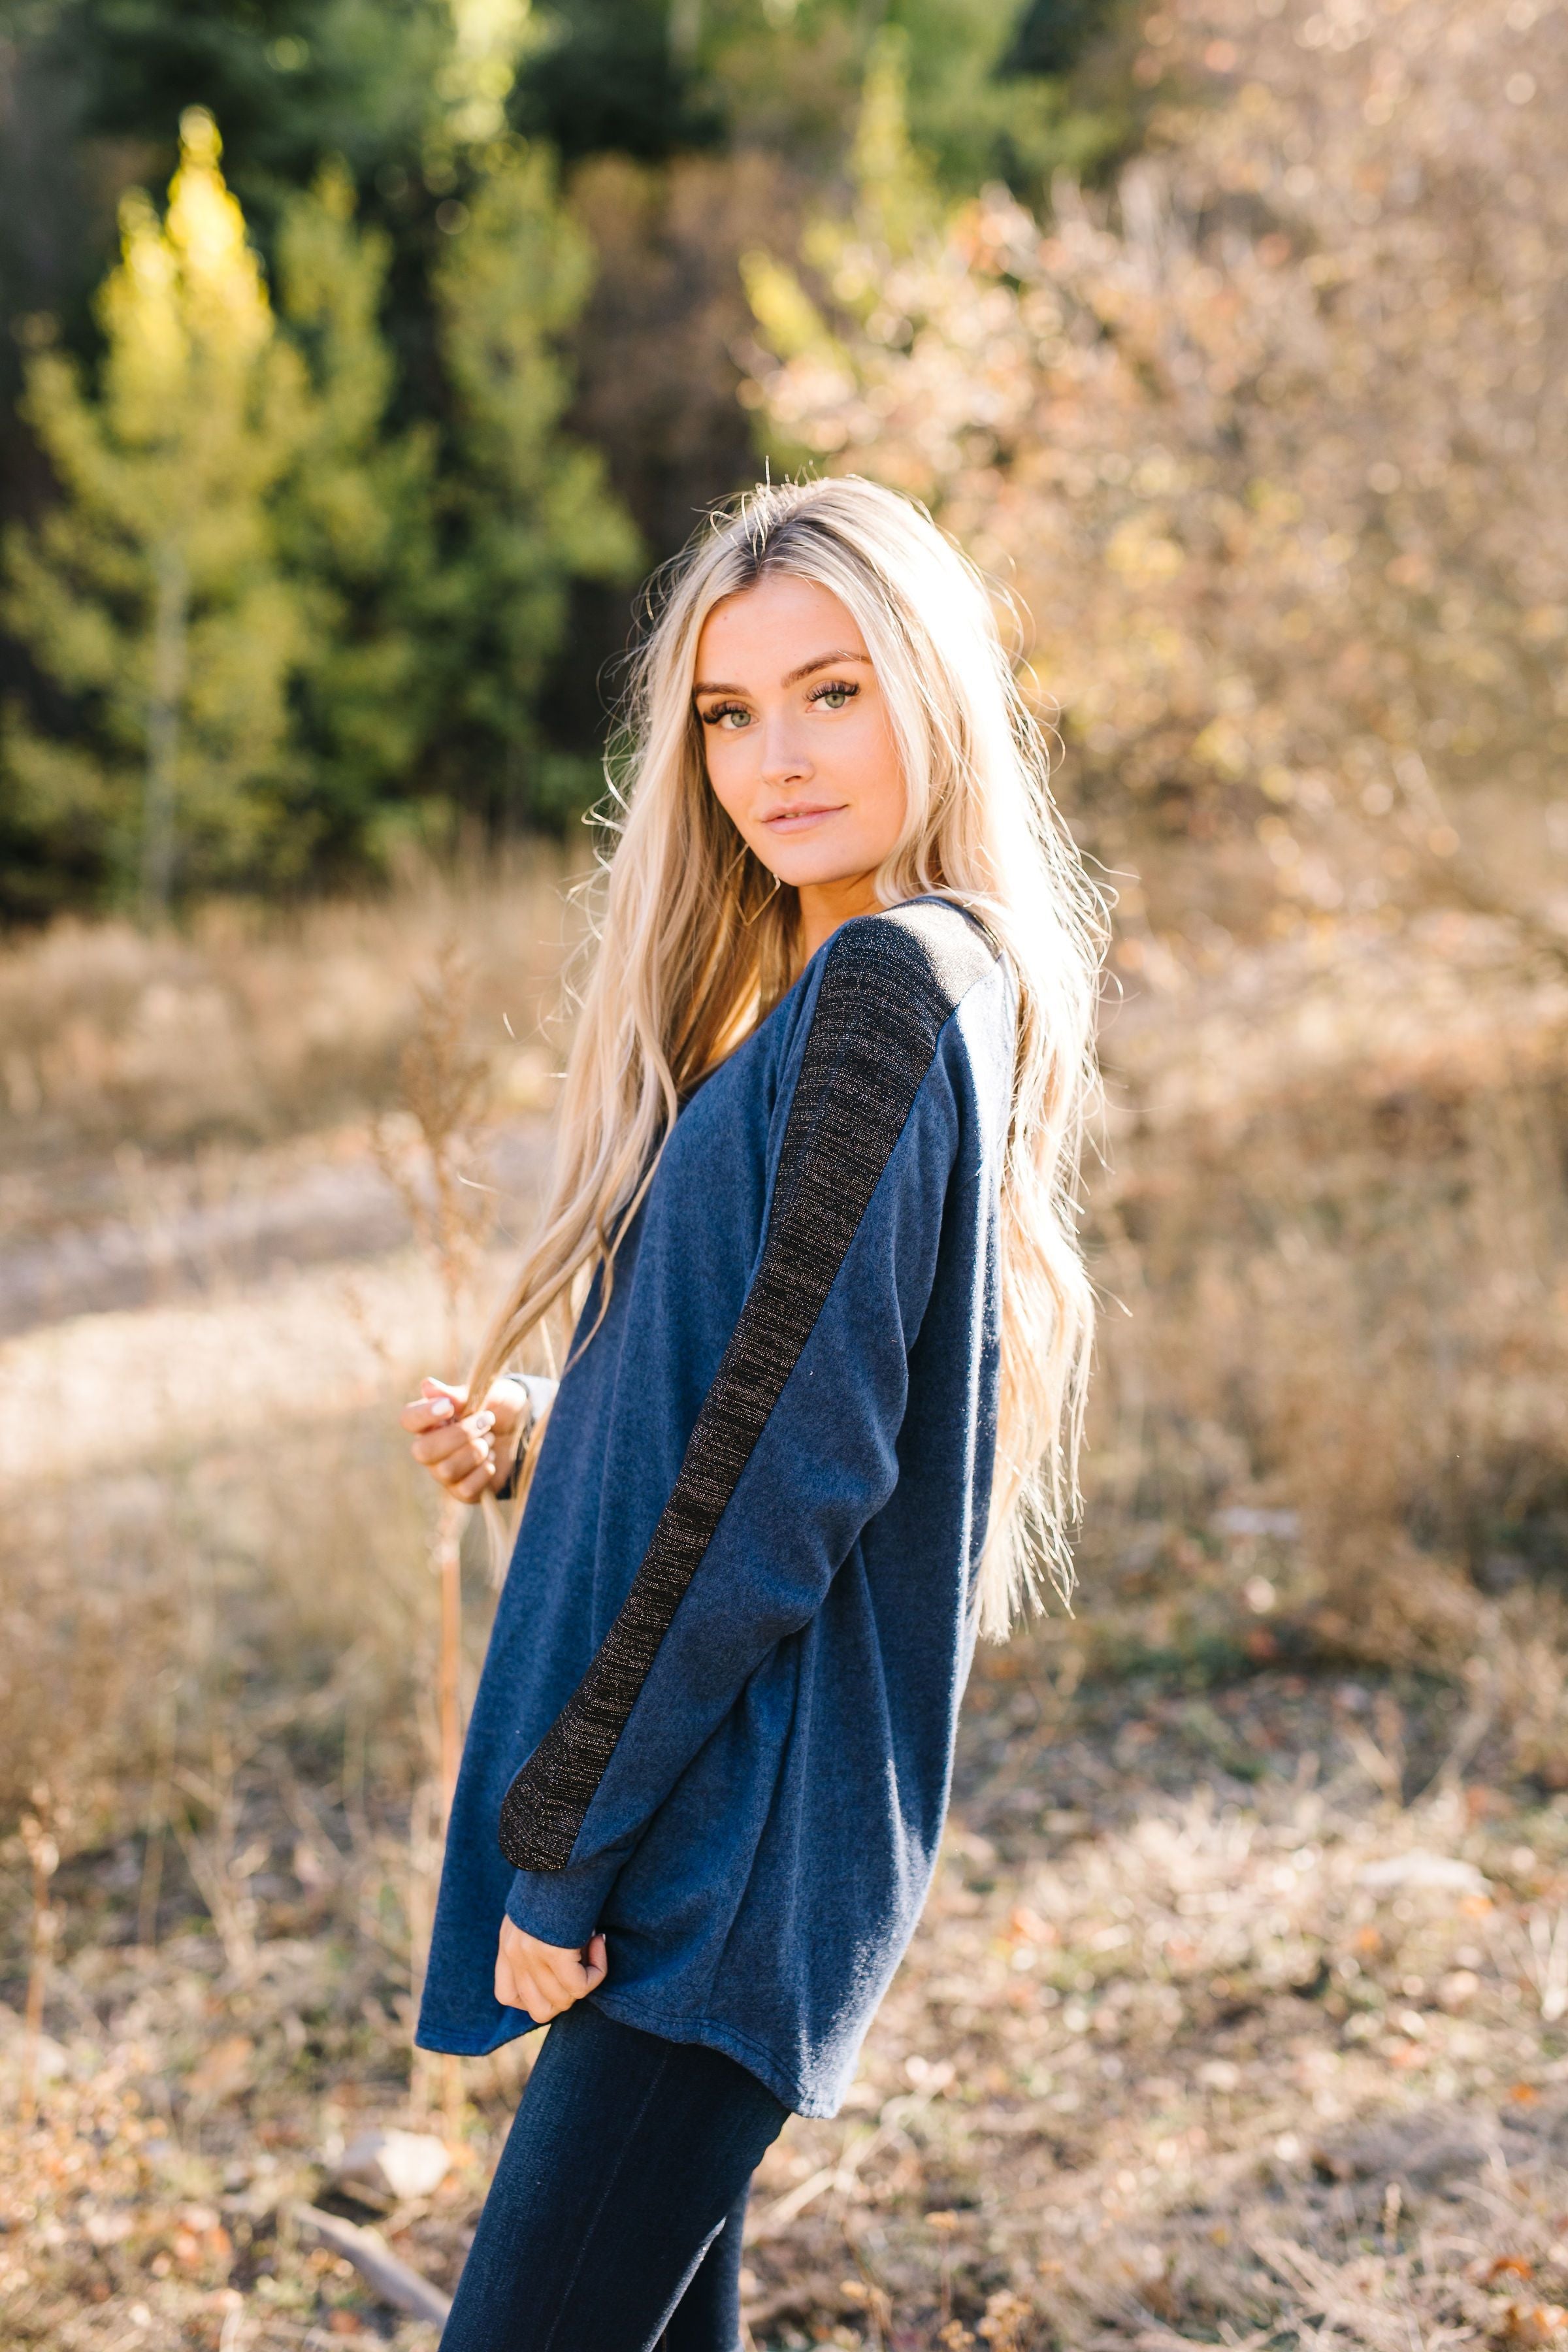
(730, 2044)
(453, 2041)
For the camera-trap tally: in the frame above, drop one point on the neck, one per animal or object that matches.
(825, 905)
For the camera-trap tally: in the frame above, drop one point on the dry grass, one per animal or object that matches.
(1186, 2060)
(1189, 2049)
(1337, 1217)
(248, 1027)
(1169, 2057)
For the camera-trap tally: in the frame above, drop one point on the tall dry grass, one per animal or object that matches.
(251, 1024)
(1336, 1370)
(1323, 1545)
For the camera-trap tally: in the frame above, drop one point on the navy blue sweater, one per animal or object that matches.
(715, 1718)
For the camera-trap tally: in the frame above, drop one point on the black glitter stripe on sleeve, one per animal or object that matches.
(889, 982)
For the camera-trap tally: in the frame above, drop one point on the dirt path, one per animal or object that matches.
(207, 1226)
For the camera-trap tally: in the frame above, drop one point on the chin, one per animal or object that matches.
(814, 864)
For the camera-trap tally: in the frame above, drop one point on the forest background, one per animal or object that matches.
(358, 363)
(329, 493)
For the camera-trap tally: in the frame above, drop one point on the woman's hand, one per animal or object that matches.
(467, 1453)
(544, 1978)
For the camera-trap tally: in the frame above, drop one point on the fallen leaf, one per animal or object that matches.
(402, 2164)
(1027, 1925)
(1534, 2323)
(1420, 1868)
(224, 2069)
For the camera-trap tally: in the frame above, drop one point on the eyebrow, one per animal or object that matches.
(818, 661)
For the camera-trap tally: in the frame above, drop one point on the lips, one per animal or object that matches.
(799, 819)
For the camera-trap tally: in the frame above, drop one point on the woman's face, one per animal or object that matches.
(799, 747)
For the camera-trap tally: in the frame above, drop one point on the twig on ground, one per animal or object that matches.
(383, 2271)
(43, 1851)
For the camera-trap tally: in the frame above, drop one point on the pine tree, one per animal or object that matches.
(355, 517)
(526, 509)
(149, 597)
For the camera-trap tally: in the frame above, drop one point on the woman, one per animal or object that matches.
(818, 1422)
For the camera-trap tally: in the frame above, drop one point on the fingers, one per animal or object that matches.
(507, 1402)
(543, 1978)
(478, 1482)
(436, 1406)
(458, 1448)
(460, 1455)
(463, 1469)
(508, 1991)
(451, 1441)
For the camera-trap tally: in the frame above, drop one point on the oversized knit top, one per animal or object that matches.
(716, 1717)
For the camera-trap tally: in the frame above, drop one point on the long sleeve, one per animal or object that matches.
(795, 1448)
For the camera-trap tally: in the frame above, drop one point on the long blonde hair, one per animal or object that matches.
(691, 951)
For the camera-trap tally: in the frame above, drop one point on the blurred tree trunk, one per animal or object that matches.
(171, 623)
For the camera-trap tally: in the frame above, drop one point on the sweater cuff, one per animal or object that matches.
(539, 1394)
(561, 1906)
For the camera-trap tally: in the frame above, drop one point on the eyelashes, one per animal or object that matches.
(842, 690)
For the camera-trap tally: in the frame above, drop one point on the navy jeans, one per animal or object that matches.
(613, 2222)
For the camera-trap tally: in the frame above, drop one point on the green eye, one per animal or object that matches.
(834, 697)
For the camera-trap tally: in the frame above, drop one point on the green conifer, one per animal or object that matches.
(149, 597)
(527, 509)
(354, 530)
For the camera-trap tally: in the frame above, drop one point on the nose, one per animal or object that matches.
(784, 759)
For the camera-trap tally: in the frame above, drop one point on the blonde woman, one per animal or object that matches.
(814, 1208)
